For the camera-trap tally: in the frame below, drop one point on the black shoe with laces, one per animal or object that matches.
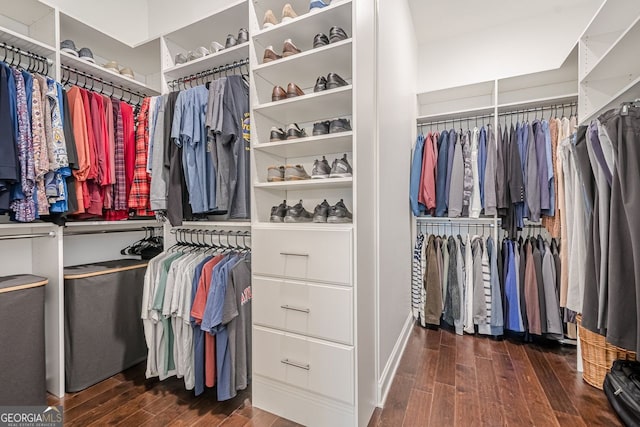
(278, 212)
(321, 128)
(320, 40)
(321, 84)
(337, 34)
(339, 125)
(298, 213)
(339, 214)
(321, 212)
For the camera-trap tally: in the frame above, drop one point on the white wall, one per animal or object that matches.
(168, 15)
(525, 43)
(124, 20)
(397, 47)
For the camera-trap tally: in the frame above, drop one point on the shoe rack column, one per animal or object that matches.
(305, 332)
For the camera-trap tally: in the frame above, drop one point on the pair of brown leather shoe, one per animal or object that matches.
(287, 50)
(292, 91)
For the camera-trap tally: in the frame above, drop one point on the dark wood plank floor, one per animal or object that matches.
(443, 380)
(450, 380)
(128, 399)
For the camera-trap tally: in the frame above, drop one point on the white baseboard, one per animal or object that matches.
(389, 372)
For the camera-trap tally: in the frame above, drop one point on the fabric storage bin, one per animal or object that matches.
(103, 329)
(22, 358)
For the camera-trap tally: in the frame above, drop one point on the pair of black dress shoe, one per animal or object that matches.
(336, 34)
(331, 126)
(332, 81)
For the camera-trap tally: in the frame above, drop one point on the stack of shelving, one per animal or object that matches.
(609, 66)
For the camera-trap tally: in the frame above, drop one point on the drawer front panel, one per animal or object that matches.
(316, 255)
(321, 311)
(319, 367)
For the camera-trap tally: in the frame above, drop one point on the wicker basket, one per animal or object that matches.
(598, 356)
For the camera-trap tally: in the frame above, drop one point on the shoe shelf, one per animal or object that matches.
(223, 57)
(29, 25)
(308, 225)
(302, 29)
(106, 74)
(26, 43)
(315, 184)
(310, 107)
(303, 68)
(341, 142)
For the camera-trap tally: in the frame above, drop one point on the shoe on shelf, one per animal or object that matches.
(321, 212)
(243, 36)
(294, 132)
(86, 54)
(320, 40)
(288, 13)
(339, 214)
(270, 55)
(337, 34)
(335, 81)
(341, 168)
(318, 4)
(216, 47)
(278, 94)
(269, 19)
(321, 84)
(295, 173)
(198, 53)
(289, 48)
(231, 41)
(113, 65)
(298, 213)
(68, 46)
(293, 90)
(278, 212)
(321, 169)
(339, 125)
(128, 72)
(277, 134)
(321, 128)
(275, 174)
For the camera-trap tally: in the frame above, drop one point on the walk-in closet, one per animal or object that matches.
(319, 213)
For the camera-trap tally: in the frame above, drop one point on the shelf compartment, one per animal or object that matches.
(311, 107)
(617, 60)
(456, 115)
(13, 38)
(457, 100)
(226, 56)
(303, 28)
(105, 74)
(315, 184)
(314, 145)
(600, 100)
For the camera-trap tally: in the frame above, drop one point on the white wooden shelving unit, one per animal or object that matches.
(609, 69)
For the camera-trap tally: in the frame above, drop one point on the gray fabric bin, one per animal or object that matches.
(103, 330)
(22, 351)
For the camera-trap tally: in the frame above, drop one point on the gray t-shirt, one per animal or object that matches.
(235, 138)
(236, 314)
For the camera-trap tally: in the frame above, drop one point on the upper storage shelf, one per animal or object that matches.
(456, 102)
(303, 28)
(213, 28)
(143, 59)
(28, 25)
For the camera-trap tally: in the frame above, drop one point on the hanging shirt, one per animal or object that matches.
(427, 194)
(441, 177)
(482, 162)
(475, 206)
(141, 185)
(9, 173)
(416, 170)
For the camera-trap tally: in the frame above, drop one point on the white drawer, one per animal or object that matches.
(321, 311)
(320, 367)
(317, 255)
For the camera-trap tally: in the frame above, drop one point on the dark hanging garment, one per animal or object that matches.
(537, 261)
(178, 207)
(8, 156)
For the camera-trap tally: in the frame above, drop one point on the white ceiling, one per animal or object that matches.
(440, 19)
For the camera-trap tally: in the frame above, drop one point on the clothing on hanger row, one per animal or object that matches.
(196, 311)
(472, 284)
(509, 172)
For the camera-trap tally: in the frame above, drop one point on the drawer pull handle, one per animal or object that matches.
(296, 364)
(293, 254)
(301, 310)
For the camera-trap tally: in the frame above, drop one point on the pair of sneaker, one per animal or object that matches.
(331, 126)
(332, 81)
(339, 169)
(336, 34)
(293, 132)
(286, 173)
(323, 213)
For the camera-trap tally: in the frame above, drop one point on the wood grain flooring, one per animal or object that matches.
(443, 380)
(450, 380)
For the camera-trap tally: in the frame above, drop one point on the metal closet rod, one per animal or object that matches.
(460, 119)
(213, 231)
(117, 230)
(28, 236)
(99, 80)
(207, 73)
(25, 53)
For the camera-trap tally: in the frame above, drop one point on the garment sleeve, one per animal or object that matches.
(489, 183)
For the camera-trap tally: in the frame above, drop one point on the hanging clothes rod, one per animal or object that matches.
(94, 79)
(41, 62)
(541, 108)
(204, 74)
(456, 120)
(117, 230)
(28, 236)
